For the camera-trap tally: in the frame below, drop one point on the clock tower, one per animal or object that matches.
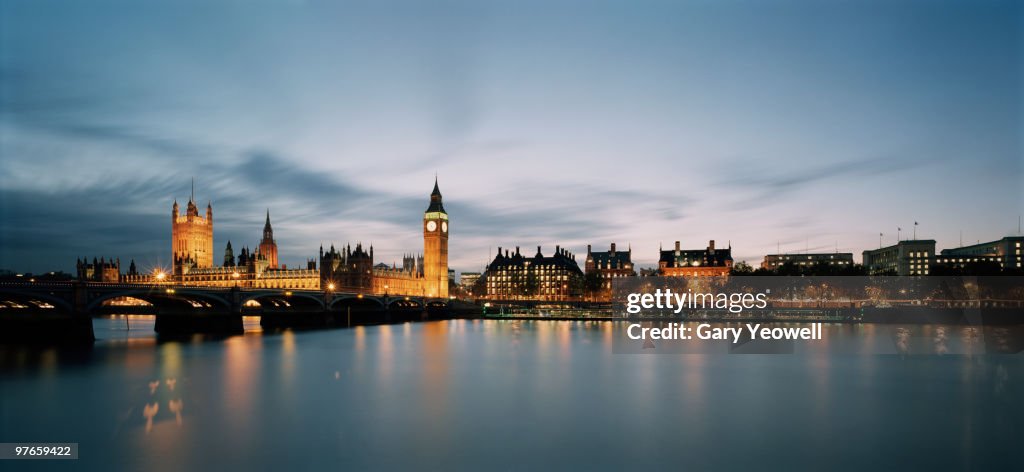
(435, 247)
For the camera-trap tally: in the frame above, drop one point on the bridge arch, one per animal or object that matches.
(355, 301)
(405, 303)
(163, 298)
(286, 298)
(437, 303)
(36, 299)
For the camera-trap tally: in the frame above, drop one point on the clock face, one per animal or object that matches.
(444, 226)
(431, 225)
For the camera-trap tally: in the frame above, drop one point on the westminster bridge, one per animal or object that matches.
(63, 311)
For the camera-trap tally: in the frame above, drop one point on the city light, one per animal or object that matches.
(330, 286)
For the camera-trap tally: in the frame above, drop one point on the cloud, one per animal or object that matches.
(766, 185)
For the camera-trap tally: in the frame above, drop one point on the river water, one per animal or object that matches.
(487, 394)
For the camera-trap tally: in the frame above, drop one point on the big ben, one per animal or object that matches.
(435, 247)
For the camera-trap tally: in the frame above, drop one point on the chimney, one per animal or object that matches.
(558, 249)
(677, 246)
(613, 248)
(711, 245)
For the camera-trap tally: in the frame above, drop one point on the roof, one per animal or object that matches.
(616, 259)
(686, 257)
(560, 258)
(435, 200)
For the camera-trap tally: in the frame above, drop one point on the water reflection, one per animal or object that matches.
(523, 394)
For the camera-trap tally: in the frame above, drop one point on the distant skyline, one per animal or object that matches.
(788, 124)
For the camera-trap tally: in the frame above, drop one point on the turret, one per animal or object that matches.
(229, 256)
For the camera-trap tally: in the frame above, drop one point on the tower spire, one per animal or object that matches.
(192, 196)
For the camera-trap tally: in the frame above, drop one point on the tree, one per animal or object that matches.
(741, 268)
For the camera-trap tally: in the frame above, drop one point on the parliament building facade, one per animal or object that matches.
(347, 269)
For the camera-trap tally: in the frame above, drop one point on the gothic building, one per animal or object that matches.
(102, 270)
(435, 247)
(229, 256)
(423, 275)
(346, 269)
(191, 237)
(268, 247)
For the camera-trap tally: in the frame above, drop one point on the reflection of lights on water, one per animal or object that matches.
(149, 412)
(175, 407)
(902, 340)
(940, 340)
(153, 386)
(126, 301)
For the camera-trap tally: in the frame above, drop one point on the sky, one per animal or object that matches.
(769, 125)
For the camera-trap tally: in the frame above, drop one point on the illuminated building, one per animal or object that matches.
(435, 247)
(468, 279)
(836, 259)
(516, 277)
(424, 275)
(191, 237)
(709, 262)
(608, 265)
(268, 247)
(908, 257)
(1005, 252)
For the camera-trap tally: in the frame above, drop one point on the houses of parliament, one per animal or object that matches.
(345, 269)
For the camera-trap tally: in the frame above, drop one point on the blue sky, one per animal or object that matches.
(792, 124)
